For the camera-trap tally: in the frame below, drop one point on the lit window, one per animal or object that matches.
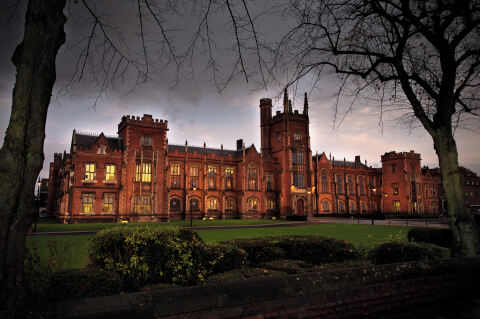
(252, 177)
(325, 206)
(212, 177)
(395, 188)
(110, 173)
(396, 206)
(194, 204)
(146, 172)
(270, 205)
(297, 137)
(230, 204)
(175, 204)
(89, 171)
(212, 204)
(108, 200)
(194, 176)
(146, 140)
(87, 203)
(175, 175)
(138, 173)
(252, 204)
(229, 177)
(142, 204)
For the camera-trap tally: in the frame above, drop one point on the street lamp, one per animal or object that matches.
(37, 206)
(191, 212)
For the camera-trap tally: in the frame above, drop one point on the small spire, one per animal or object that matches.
(186, 143)
(290, 106)
(204, 145)
(305, 104)
(285, 101)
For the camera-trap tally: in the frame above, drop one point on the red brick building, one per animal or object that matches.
(139, 176)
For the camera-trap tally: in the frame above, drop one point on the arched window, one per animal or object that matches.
(174, 204)
(341, 206)
(252, 177)
(212, 203)
(194, 204)
(270, 205)
(363, 207)
(324, 179)
(230, 204)
(353, 207)
(252, 203)
(325, 206)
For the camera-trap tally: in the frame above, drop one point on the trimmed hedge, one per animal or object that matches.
(82, 283)
(259, 250)
(145, 255)
(227, 257)
(317, 250)
(439, 236)
(401, 252)
(311, 249)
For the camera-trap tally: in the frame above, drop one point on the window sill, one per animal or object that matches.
(109, 182)
(87, 181)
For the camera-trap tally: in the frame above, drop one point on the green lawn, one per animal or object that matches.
(357, 234)
(50, 225)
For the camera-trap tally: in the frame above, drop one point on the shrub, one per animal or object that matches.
(399, 252)
(225, 257)
(317, 250)
(439, 236)
(145, 255)
(83, 283)
(289, 266)
(259, 250)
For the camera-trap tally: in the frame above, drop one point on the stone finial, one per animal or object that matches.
(305, 104)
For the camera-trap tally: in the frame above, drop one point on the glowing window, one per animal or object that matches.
(108, 200)
(146, 172)
(87, 203)
(110, 173)
(142, 204)
(252, 204)
(212, 204)
(89, 171)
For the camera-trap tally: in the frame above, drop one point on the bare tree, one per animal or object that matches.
(103, 59)
(420, 54)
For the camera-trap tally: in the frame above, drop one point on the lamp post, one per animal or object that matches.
(191, 212)
(37, 206)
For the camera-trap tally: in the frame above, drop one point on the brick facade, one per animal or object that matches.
(139, 176)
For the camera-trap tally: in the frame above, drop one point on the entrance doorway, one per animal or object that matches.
(300, 207)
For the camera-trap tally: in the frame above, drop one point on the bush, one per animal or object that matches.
(399, 252)
(259, 250)
(289, 266)
(83, 283)
(317, 250)
(225, 257)
(439, 236)
(145, 255)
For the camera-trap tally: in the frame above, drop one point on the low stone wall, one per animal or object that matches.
(337, 294)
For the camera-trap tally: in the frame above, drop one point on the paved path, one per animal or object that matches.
(313, 221)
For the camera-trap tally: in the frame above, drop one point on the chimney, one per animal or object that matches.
(357, 159)
(239, 144)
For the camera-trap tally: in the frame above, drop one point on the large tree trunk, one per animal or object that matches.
(461, 221)
(21, 157)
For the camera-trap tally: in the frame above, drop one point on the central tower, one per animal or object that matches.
(285, 137)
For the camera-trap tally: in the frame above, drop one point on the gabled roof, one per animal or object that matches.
(87, 140)
(191, 149)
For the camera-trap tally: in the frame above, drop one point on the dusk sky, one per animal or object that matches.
(198, 113)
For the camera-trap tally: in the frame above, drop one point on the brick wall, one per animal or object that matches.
(337, 294)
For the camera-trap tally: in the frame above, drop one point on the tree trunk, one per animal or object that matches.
(21, 157)
(460, 220)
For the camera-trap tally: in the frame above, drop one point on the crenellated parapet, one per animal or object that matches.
(400, 155)
(145, 121)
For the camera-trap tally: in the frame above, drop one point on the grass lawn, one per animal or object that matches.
(75, 246)
(356, 234)
(50, 225)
